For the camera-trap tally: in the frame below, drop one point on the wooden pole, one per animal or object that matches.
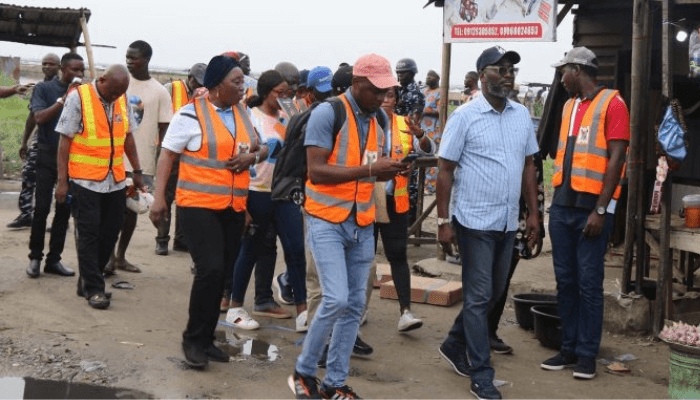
(88, 47)
(637, 110)
(444, 104)
(663, 282)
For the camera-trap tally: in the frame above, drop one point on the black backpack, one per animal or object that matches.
(289, 175)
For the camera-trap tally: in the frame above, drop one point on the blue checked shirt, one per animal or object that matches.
(490, 149)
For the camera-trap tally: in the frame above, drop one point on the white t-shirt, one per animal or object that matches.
(151, 105)
(271, 131)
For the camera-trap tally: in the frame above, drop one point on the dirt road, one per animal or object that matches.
(46, 331)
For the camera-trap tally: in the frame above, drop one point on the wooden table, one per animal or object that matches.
(685, 239)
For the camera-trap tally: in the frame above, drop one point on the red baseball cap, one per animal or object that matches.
(377, 69)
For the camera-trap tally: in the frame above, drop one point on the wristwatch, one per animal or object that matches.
(443, 221)
(60, 100)
(600, 211)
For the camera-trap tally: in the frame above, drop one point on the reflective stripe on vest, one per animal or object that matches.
(204, 181)
(335, 202)
(401, 145)
(179, 94)
(590, 159)
(99, 148)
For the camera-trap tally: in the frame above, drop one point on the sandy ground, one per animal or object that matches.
(46, 331)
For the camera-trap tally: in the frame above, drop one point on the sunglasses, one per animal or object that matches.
(503, 71)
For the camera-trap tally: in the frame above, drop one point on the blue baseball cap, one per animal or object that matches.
(320, 79)
(494, 54)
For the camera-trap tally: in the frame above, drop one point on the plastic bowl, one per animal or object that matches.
(524, 301)
(547, 326)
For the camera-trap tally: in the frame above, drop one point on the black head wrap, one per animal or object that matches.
(217, 69)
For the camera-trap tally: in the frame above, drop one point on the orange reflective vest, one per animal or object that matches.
(204, 181)
(335, 202)
(179, 94)
(590, 158)
(99, 148)
(401, 145)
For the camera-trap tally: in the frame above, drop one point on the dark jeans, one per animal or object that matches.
(98, 219)
(258, 250)
(579, 266)
(213, 238)
(499, 304)
(289, 224)
(486, 259)
(163, 235)
(395, 239)
(46, 175)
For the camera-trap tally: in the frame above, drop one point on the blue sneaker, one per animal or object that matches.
(285, 294)
(485, 391)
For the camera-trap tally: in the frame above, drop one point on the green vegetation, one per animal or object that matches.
(548, 169)
(13, 115)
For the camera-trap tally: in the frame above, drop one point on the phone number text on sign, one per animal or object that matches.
(498, 31)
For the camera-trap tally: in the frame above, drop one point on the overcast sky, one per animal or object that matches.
(305, 32)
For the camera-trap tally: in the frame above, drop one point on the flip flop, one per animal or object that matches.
(123, 285)
(128, 267)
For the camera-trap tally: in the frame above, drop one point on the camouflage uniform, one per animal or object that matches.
(26, 195)
(411, 100)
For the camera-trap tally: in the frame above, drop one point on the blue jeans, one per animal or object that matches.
(579, 266)
(289, 224)
(343, 254)
(486, 260)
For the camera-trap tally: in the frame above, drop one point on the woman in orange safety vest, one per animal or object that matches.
(216, 143)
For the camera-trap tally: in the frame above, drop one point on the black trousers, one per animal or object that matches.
(46, 175)
(98, 220)
(395, 239)
(213, 238)
(495, 313)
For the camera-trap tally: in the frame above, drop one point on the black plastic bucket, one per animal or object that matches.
(525, 301)
(547, 326)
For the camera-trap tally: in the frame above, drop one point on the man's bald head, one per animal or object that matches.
(50, 65)
(114, 82)
(51, 56)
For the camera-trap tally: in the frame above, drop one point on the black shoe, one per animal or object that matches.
(284, 290)
(498, 346)
(34, 268)
(487, 391)
(162, 249)
(216, 354)
(180, 246)
(58, 268)
(342, 392)
(324, 358)
(585, 368)
(559, 362)
(304, 387)
(99, 301)
(194, 357)
(457, 358)
(23, 221)
(80, 293)
(361, 348)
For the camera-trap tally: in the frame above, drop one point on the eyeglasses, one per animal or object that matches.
(504, 70)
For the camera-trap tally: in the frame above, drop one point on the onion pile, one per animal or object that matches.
(681, 333)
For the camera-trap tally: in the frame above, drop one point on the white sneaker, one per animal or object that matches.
(239, 317)
(302, 325)
(409, 322)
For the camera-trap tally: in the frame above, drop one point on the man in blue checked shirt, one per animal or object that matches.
(485, 156)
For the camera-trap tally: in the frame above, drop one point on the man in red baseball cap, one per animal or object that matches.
(342, 169)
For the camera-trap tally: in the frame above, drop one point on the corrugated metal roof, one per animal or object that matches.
(58, 27)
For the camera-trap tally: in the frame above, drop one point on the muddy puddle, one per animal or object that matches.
(30, 388)
(243, 347)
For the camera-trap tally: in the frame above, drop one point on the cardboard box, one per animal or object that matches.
(427, 290)
(383, 275)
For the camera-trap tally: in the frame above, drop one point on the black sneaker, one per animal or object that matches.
(22, 221)
(339, 393)
(585, 368)
(361, 348)
(498, 346)
(285, 295)
(304, 387)
(559, 362)
(487, 391)
(457, 359)
(194, 356)
(216, 354)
